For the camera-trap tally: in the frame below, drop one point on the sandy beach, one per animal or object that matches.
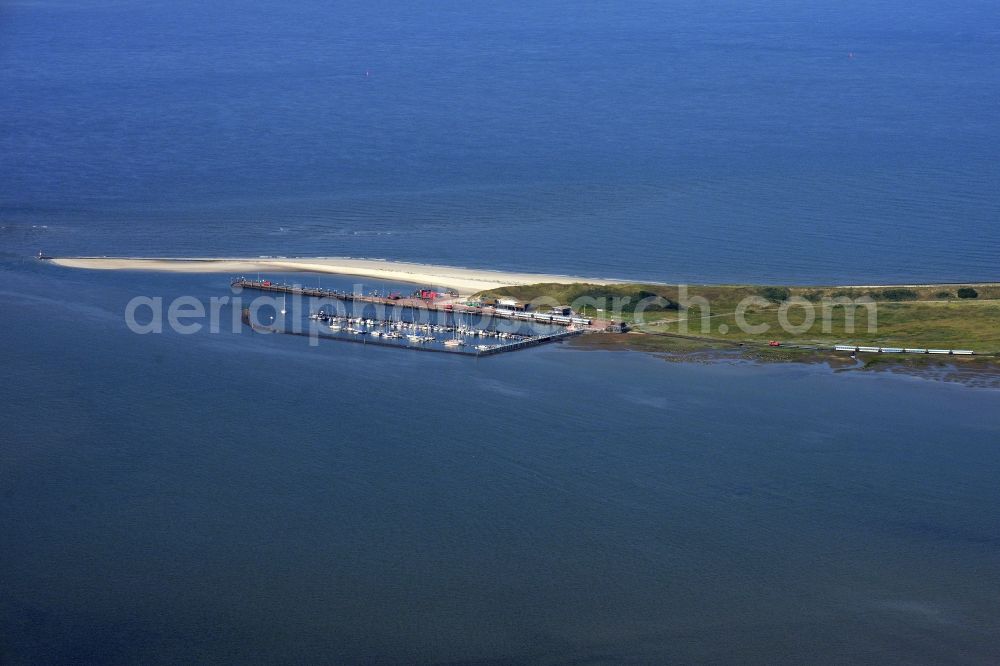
(464, 280)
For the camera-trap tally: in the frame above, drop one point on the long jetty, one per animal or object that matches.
(318, 292)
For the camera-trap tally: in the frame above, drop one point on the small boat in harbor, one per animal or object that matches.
(454, 341)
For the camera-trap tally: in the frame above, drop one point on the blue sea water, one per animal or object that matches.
(714, 141)
(246, 498)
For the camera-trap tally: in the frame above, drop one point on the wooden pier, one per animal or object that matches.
(529, 342)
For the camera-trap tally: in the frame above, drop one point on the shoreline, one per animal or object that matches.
(670, 346)
(466, 281)
(472, 280)
(982, 371)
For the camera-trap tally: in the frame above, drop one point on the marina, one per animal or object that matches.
(454, 337)
(420, 322)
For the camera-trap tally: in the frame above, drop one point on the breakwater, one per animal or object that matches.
(426, 304)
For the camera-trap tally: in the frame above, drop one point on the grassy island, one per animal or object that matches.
(690, 317)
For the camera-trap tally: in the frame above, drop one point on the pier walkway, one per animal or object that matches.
(446, 307)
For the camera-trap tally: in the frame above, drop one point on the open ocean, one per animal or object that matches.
(243, 498)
